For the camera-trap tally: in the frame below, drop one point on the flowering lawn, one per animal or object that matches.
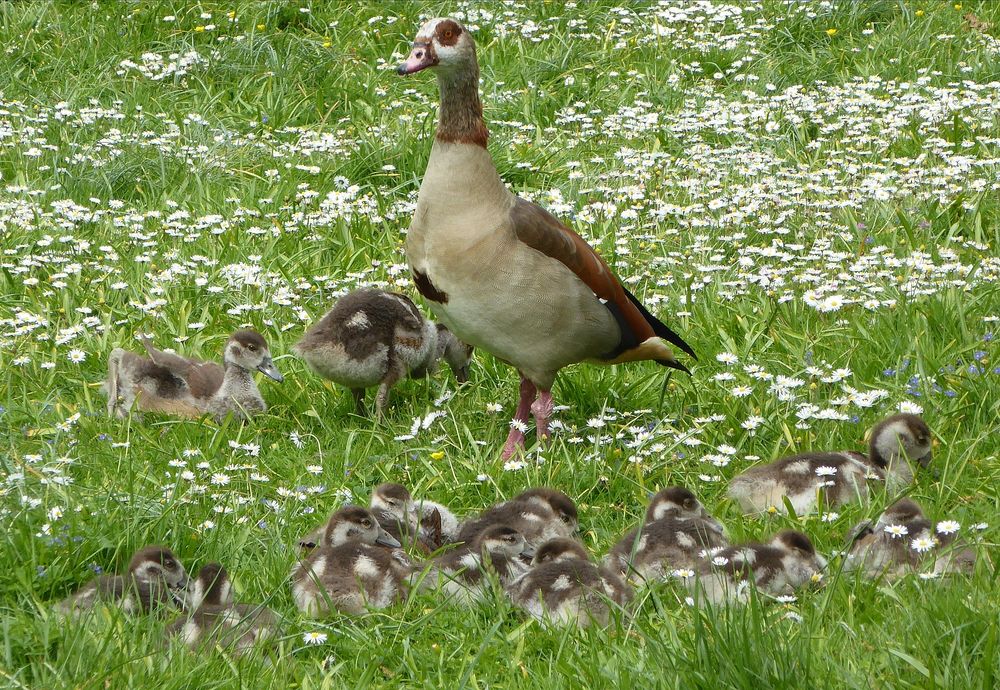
(807, 191)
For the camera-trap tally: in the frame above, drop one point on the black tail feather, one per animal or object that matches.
(662, 331)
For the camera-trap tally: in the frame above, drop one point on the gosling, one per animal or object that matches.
(375, 338)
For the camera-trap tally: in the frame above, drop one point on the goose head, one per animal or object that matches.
(901, 436)
(442, 43)
(500, 540)
(211, 586)
(457, 354)
(157, 564)
(556, 501)
(901, 512)
(395, 500)
(248, 350)
(799, 551)
(676, 501)
(561, 549)
(354, 523)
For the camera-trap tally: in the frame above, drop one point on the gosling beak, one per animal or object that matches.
(925, 460)
(421, 57)
(462, 374)
(386, 539)
(268, 369)
(183, 583)
(528, 552)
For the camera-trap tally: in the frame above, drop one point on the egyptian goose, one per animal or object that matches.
(423, 524)
(903, 541)
(564, 586)
(465, 573)
(375, 338)
(777, 568)
(538, 514)
(676, 529)
(502, 273)
(210, 586)
(165, 382)
(835, 478)
(429, 523)
(349, 571)
(214, 619)
(154, 578)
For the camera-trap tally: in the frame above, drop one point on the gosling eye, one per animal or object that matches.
(566, 518)
(448, 33)
(366, 523)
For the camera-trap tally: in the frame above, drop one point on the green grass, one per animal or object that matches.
(758, 166)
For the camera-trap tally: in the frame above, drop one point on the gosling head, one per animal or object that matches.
(905, 436)
(500, 540)
(211, 587)
(457, 354)
(354, 523)
(248, 350)
(558, 502)
(798, 548)
(157, 564)
(561, 549)
(674, 501)
(901, 512)
(394, 499)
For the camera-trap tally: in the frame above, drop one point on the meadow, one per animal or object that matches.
(808, 192)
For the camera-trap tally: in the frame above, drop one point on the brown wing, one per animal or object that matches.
(203, 378)
(540, 230)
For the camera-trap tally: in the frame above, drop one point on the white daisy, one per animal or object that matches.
(314, 638)
(948, 527)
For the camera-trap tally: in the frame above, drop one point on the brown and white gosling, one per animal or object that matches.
(564, 586)
(464, 573)
(428, 524)
(169, 383)
(538, 514)
(777, 568)
(676, 529)
(834, 478)
(375, 338)
(154, 578)
(213, 619)
(425, 525)
(904, 541)
(348, 572)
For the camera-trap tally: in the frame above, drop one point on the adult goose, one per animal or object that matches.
(502, 273)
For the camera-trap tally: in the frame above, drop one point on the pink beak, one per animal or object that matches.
(421, 57)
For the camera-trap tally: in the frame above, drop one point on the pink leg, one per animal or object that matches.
(542, 409)
(515, 439)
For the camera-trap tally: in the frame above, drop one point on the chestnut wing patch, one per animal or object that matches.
(540, 230)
